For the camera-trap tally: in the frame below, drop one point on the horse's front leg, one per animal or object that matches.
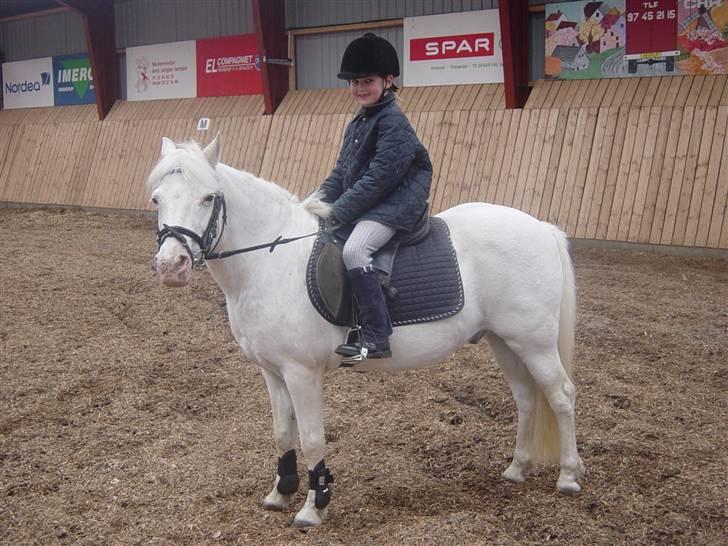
(306, 389)
(285, 433)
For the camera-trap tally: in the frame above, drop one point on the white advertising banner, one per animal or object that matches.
(454, 48)
(28, 84)
(161, 71)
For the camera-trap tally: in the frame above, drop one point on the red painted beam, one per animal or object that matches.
(514, 38)
(98, 22)
(270, 25)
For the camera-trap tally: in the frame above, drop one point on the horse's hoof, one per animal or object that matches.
(514, 473)
(309, 515)
(275, 506)
(276, 501)
(569, 488)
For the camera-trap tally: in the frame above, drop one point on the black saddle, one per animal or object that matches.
(419, 274)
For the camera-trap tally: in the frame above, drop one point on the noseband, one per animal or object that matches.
(205, 242)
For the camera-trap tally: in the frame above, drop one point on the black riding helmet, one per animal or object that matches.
(367, 55)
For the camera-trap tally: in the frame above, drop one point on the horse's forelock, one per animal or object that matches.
(189, 159)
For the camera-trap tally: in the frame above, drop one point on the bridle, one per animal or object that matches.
(207, 242)
(210, 239)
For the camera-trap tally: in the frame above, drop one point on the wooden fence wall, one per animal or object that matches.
(638, 159)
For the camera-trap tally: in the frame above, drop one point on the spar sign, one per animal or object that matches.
(455, 48)
(28, 84)
(228, 66)
(73, 82)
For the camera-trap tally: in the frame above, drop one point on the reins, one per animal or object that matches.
(205, 242)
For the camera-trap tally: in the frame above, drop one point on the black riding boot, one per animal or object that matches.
(373, 316)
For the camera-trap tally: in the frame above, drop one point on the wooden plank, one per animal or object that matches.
(469, 148)
(718, 218)
(500, 153)
(576, 170)
(610, 184)
(591, 186)
(632, 213)
(579, 179)
(561, 199)
(451, 182)
(695, 90)
(531, 128)
(488, 176)
(534, 165)
(7, 150)
(505, 164)
(481, 126)
(555, 133)
(698, 193)
(562, 169)
(678, 174)
(653, 184)
(653, 85)
(452, 119)
(666, 174)
(517, 158)
(711, 195)
(706, 91)
(718, 88)
(625, 168)
(691, 175)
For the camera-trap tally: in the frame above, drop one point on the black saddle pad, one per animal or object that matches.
(425, 276)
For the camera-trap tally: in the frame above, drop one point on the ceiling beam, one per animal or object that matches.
(98, 23)
(514, 36)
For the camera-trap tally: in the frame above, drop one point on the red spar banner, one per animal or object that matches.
(452, 47)
(228, 66)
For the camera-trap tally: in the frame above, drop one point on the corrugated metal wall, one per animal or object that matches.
(314, 13)
(141, 22)
(318, 56)
(144, 22)
(55, 34)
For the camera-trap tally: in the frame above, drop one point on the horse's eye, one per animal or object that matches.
(154, 201)
(209, 198)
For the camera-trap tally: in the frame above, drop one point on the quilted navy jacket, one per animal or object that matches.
(383, 172)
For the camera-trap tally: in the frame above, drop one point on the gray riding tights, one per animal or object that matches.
(365, 240)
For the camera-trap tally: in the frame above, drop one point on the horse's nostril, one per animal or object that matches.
(182, 260)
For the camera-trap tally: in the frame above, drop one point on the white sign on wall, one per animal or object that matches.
(28, 84)
(161, 71)
(454, 48)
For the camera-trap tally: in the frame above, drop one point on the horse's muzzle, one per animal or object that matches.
(173, 271)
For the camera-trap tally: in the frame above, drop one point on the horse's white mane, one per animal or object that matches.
(190, 159)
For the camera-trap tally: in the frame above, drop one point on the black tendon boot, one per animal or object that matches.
(373, 316)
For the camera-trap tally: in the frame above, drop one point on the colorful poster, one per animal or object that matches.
(703, 36)
(73, 81)
(28, 84)
(454, 48)
(228, 66)
(161, 71)
(623, 38)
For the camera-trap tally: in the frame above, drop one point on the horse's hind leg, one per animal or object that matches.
(525, 394)
(544, 363)
(285, 433)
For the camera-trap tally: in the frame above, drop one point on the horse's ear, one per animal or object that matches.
(212, 150)
(167, 146)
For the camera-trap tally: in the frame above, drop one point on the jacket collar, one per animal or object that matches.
(385, 101)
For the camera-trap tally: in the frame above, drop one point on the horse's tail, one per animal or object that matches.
(544, 444)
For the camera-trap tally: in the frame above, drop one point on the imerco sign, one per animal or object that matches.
(455, 48)
(228, 66)
(452, 47)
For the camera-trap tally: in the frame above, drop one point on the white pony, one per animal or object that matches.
(519, 295)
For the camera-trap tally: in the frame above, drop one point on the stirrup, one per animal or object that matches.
(354, 352)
